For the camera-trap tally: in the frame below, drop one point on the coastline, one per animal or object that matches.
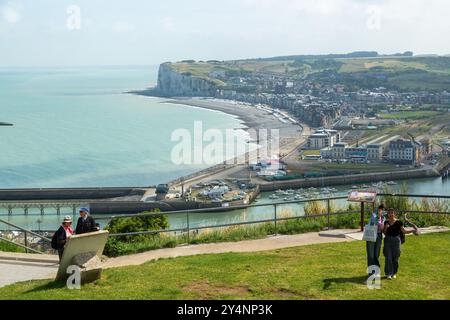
(291, 136)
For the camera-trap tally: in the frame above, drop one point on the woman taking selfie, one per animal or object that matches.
(393, 229)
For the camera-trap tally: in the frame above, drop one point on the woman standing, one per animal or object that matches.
(393, 228)
(64, 232)
(374, 248)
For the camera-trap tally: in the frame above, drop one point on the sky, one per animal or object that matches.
(149, 32)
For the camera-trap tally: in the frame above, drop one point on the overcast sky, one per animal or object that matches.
(135, 32)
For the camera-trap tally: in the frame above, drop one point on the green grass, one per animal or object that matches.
(325, 271)
(8, 247)
(378, 167)
(410, 115)
(232, 234)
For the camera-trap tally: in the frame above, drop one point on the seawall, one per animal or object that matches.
(135, 207)
(67, 193)
(348, 180)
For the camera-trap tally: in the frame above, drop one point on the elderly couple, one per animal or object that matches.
(393, 230)
(85, 224)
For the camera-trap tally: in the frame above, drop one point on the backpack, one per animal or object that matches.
(55, 241)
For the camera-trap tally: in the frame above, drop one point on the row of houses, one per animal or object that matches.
(341, 150)
(407, 152)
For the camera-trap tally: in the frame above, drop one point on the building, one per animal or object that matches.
(374, 152)
(356, 153)
(403, 152)
(338, 150)
(341, 150)
(323, 139)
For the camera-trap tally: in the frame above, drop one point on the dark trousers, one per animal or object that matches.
(373, 251)
(60, 253)
(392, 252)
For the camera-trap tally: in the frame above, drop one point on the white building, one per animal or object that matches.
(338, 150)
(323, 139)
(374, 152)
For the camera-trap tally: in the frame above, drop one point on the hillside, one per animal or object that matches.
(363, 70)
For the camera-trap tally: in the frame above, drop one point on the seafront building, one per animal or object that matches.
(404, 151)
(341, 150)
(323, 139)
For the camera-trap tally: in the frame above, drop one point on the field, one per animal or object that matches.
(399, 73)
(325, 271)
(409, 115)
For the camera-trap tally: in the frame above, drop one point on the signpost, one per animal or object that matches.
(362, 196)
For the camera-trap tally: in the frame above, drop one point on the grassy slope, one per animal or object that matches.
(7, 247)
(326, 271)
(406, 73)
(411, 115)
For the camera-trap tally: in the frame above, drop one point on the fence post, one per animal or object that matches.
(328, 213)
(362, 216)
(26, 242)
(188, 229)
(276, 228)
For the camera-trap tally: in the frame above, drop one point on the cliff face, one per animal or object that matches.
(174, 84)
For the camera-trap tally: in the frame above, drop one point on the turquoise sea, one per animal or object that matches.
(75, 127)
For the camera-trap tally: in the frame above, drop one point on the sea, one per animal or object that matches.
(76, 127)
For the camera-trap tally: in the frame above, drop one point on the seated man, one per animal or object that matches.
(85, 223)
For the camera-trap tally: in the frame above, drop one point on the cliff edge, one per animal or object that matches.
(172, 83)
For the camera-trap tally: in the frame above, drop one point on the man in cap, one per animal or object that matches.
(61, 235)
(85, 222)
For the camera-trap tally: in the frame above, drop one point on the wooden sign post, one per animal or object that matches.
(362, 196)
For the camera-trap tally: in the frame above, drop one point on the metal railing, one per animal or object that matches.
(276, 219)
(189, 227)
(26, 232)
(42, 206)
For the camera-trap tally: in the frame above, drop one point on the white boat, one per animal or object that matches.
(392, 183)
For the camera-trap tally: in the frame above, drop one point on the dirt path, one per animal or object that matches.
(271, 243)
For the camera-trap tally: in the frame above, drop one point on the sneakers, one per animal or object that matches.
(394, 276)
(389, 277)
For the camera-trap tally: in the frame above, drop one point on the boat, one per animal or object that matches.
(273, 197)
(392, 183)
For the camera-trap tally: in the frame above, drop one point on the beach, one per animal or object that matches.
(292, 136)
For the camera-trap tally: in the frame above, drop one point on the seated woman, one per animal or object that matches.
(393, 229)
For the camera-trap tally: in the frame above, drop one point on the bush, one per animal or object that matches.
(121, 245)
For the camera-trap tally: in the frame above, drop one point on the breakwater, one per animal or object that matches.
(349, 180)
(68, 193)
(134, 207)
